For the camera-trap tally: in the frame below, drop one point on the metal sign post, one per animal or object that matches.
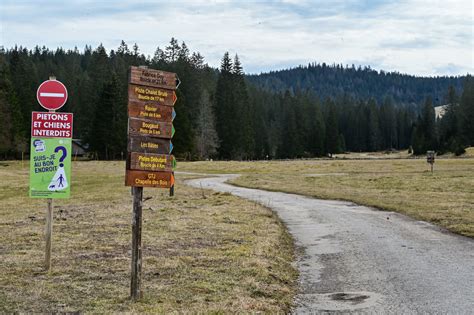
(50, 153)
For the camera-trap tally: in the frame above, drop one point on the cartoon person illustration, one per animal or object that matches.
(60, 180)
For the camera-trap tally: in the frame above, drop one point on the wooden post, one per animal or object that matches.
(172, 189)
(48, 234)
(136, 270)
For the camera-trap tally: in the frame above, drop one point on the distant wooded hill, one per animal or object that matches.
(359, 83)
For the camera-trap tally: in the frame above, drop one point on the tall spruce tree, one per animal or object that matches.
(373, 136)
(467, 112)
(448, 125)
(290, 143)
(333, 145)
(424, 135)
(108, 133)
(388, 124)
(244, 145)
(207, 140)
(224, 109)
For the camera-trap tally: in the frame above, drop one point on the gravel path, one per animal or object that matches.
(357, 259)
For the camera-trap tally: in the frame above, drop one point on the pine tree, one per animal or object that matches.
(197, 61)
(237, 66)
(123, 49)
(290, 143)
(244, 146)
(388, 124)
(373, 138)
(207, 141)
(135, 50)
(448, 125)
(108, 132)
(6, 143)
(159, 56)
(184, 138)
(183, 53)
(316, 131)
(332, 129)
(429, 124)
(467, 112)
(172, 50)
(224, 109)
(424, 135)
(361, 127)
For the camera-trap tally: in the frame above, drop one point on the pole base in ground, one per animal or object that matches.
(48, 235)
(136, 270)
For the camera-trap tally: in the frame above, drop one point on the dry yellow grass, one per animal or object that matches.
(469, 152)
(211, 253)
(445, 197)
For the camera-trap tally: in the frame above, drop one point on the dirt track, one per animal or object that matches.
(354, 258)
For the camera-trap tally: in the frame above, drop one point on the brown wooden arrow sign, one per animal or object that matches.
(150, 110)
(154, 95)
(151, 162)
(149, 179)
(150, 128)
(154, 78)
(149, 145)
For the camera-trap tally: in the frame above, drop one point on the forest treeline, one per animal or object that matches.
(358, 82)
(224, 114)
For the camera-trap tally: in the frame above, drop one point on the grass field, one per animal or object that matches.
(445, 197)
(203, 251)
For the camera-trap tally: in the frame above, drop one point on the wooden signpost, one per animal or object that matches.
(151, 97)
(430, 158)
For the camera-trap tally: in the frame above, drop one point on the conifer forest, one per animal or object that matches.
(308, 111)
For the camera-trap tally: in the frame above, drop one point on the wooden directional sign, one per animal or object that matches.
(150, 128)
(152, 162)
(154, 78)
(151, 97)
(149, 110)
(149, 179)
(149, 145)
(137, 93)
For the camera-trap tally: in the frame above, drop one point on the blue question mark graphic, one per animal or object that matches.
(63, 156)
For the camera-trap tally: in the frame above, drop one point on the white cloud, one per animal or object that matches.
(412, 36)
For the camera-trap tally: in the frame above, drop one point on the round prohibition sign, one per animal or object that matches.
(52, 94)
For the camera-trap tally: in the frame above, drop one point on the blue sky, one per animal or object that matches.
(421, 37)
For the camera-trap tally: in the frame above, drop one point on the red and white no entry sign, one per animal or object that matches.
(52, 94)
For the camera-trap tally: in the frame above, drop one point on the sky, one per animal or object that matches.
(419, 37)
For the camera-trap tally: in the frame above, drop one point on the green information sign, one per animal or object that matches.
(50, 167)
